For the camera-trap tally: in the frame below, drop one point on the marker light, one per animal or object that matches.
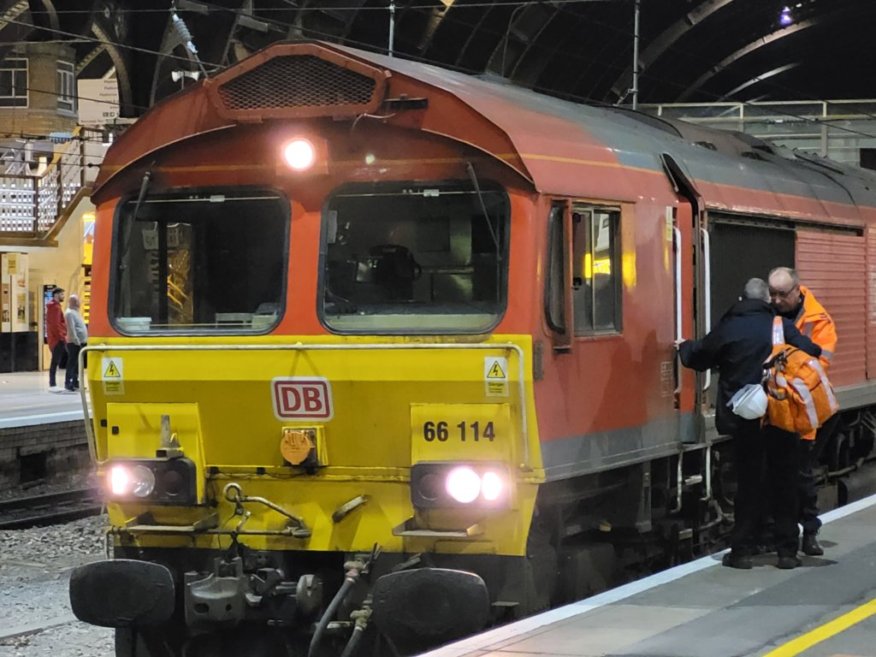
(492, 486)
(463, 485)
(299, 154)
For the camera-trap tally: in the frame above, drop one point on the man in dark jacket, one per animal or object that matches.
(738, 347)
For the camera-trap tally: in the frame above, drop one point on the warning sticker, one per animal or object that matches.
(112, 373)
(496, 376)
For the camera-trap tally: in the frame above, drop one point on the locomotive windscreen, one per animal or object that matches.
(200, 262)
(414, 258)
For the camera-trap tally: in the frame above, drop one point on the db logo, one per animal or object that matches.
(297, 398)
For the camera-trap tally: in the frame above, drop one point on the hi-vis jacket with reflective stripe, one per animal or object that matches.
(799, 396)
(813, 321)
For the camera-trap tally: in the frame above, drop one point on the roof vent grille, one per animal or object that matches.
(296, 81)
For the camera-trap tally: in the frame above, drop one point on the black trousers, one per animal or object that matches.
(57, 358)
(810, 454)
(71, 378)
(767, 473)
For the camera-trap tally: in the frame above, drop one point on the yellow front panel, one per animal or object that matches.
(229, 404)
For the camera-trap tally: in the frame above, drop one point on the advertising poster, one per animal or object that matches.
(15, 316)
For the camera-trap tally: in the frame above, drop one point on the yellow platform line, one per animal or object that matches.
(824, 632)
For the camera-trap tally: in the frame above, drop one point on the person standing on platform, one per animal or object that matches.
(738, 347)
(56, 334)
(797, 303)
(77, 337)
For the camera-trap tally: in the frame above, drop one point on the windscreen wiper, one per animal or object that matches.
(474, 181)
(129, 234)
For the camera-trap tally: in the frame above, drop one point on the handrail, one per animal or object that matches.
(521, 370)
(678, 310)
(679, 334)
(30, 205)
(707, 294)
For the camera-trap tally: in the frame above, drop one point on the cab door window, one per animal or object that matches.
(596, 270)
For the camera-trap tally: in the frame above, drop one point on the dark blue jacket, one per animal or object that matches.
(738, 346)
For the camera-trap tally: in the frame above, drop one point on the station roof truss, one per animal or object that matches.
(689, 50)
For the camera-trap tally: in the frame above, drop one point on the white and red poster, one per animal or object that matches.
(14, 309)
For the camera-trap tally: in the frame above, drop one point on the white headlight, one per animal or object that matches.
(299, 154)
(492, 486)
(137, 480)
(143, 480)
(119, 480)
(463, 485)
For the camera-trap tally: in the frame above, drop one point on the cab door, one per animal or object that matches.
(693, 298)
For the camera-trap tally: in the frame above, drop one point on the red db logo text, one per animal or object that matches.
(297, 398)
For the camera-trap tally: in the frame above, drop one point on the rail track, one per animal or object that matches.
(49, 508)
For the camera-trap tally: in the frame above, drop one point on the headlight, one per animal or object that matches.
(299, 154)
(136, 480)
(161, 481)
(463, 484)
(436, 485)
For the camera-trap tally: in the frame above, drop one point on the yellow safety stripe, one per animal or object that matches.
(824, 632)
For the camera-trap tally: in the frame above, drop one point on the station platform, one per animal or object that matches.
(25, 400)
(825, 608)
(42, 435)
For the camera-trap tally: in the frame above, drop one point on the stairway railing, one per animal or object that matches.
(31, 204)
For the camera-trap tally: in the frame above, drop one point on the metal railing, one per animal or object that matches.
(30, 204)
(838, 129)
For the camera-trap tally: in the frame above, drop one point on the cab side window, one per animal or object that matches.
(596, 270)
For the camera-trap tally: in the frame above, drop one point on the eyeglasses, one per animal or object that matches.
(780, 293)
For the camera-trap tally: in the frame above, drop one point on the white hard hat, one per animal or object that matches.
(749, 402)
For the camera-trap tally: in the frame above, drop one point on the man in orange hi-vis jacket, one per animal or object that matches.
(797, 303)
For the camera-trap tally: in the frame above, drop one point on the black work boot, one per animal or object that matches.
(787, 562)
(737, 560)
(809, 546)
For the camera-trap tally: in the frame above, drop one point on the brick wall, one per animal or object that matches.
(41, 116)
(61, 448)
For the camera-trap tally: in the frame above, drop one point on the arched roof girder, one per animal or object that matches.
(742, 52)
(664, 41)
(532, 22)
(123, 75)
(52, 13)
(436, 17)
(759, 78)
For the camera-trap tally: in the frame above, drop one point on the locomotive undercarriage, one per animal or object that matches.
(588, 534)
(242, 601)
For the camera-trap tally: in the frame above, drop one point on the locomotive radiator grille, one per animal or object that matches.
(297, 85)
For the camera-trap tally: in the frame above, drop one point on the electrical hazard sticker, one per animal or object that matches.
(496, 376)
(112, 374)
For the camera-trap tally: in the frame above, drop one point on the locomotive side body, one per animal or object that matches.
(368, 336)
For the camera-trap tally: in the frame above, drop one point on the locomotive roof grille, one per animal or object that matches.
(296, 81)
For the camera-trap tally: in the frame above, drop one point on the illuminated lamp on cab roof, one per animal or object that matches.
(304, 155)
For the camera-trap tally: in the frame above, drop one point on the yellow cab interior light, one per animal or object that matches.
(591, 266)
(299, 154)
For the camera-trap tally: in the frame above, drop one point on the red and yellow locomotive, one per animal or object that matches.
(379, 345)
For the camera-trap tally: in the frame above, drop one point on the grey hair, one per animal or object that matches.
(756, 288)
(73, 301)
(795, 279)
